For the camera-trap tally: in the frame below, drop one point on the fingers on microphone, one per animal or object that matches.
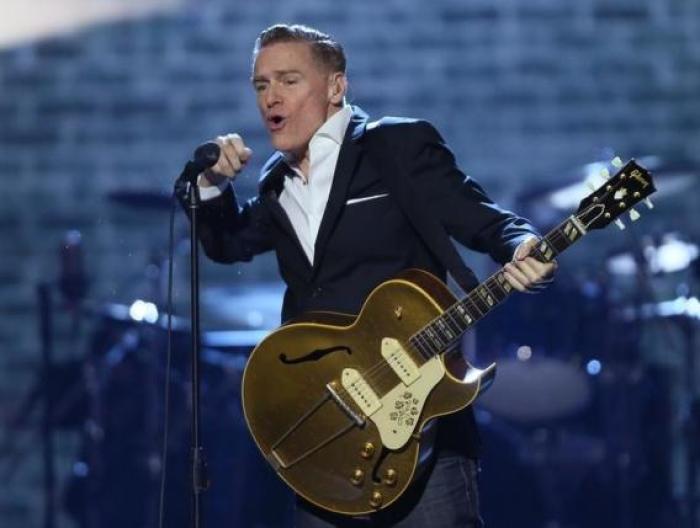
(242, 151)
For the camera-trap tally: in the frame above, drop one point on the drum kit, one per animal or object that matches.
(593, 376)
(595, 402)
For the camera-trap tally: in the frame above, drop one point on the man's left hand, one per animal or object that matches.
(526, 273)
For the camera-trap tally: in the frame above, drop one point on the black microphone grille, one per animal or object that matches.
(206, 155)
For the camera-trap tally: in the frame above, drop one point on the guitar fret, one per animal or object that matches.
(448, 327)
(495, 289)
(566, 233)
(503, 284)
(443, 327)
(421, 347)
(464, 314)
(434, 338)
(477, 314)
(450, 316)
(544, 251)
(485, 295)
(480, 305)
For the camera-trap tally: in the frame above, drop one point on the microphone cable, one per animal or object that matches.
(168, 367)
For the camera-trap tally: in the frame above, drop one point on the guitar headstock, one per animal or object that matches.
(630, 185)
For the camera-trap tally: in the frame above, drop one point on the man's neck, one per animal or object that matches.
(302, 160)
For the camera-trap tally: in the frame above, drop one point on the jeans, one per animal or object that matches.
(447, 497)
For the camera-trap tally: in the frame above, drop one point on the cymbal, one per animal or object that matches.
(545, 203)
(678, 308)
(669, 253)
(536, 390)
(140, 311)
(252, 306)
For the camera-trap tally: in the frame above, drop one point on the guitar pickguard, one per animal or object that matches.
(398, 415)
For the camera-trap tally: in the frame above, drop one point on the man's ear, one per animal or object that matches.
(337, 86)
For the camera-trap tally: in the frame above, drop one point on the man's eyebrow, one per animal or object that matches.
(276, 73)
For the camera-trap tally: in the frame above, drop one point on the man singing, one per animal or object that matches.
(341, 223)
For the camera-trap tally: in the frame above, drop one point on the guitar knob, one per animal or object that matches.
(604, 173)
(358, 477)
(616, 162)
(376, 500)
(367, 450)
(634, 215)
(390, 477)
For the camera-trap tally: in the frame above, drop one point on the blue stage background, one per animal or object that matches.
(96, 123)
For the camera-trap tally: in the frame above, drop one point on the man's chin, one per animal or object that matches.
(285, 147)
(279, 143)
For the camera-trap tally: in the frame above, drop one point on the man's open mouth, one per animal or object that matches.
(276, 122)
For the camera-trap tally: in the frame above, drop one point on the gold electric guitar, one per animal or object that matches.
(341, 406)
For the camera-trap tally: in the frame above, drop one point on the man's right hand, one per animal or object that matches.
(234, 156)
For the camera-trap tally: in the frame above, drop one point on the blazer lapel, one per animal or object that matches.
(348, 158)
(270, 186)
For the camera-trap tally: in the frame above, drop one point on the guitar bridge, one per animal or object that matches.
(359, 420)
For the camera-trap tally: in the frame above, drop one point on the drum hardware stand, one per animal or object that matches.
(691, 415)
(48, 452)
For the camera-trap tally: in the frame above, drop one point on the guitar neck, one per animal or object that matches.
(444, 332)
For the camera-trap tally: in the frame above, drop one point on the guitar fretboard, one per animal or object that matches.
(444, 332)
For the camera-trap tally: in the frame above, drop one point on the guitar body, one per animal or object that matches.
(335, 408)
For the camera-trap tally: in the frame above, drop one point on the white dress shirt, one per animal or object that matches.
(303, 198)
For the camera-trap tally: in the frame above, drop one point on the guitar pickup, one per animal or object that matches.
(399, 361)
(360, 391)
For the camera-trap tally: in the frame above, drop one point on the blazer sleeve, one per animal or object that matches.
(229, 232)
(461, 204)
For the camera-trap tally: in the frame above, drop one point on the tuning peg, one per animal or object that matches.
(619, 224)
(648, 203)
(617, 162)
(634, 215)
(604, 173)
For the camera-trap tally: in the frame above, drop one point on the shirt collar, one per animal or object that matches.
(335, 126)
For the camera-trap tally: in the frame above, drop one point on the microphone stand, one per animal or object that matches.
(200, 482)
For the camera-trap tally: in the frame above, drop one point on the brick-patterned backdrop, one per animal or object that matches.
(524, 92)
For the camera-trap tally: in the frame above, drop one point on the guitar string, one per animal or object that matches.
(373, 372)
(380, 368)
(376, 372)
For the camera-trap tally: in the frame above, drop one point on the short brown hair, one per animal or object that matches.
(324, 49)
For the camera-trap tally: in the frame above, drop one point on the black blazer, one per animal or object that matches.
(365, 242)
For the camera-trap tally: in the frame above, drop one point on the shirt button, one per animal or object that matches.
(317, 292)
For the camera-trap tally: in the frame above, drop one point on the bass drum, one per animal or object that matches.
(116, 477)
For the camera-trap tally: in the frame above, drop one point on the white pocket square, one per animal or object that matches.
(365, 198)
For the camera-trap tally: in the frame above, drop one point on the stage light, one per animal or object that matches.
(524, 353)
(21, 24)
(593, 367)
(143, 311)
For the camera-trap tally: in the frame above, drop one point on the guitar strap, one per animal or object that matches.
(430, 230)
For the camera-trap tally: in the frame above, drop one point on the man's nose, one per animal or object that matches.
(272, 97)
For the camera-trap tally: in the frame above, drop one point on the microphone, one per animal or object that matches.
(205, 156)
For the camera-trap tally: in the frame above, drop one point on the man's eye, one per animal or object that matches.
(291, 81)
(259, 87)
